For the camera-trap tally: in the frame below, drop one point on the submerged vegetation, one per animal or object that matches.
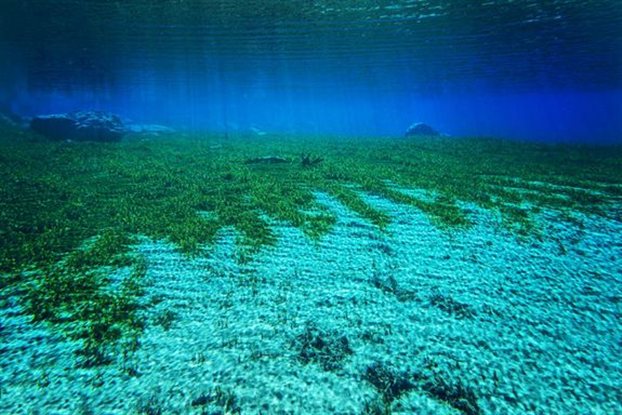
(55, 196)
(70, 210)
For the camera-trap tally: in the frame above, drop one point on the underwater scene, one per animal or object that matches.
(362, 207)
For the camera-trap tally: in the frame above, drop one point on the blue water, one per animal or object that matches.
(543, 70)
(415, 317)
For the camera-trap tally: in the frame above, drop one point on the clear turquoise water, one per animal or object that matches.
(410, 320)
(546, 70)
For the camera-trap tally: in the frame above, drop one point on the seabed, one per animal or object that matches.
(431, 275)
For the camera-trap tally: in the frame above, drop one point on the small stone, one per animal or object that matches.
(420, 128)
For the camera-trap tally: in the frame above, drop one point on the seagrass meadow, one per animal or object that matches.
(327, 207)
(192, 273)
(58, 195)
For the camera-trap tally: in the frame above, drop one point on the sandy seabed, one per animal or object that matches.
(415, 319)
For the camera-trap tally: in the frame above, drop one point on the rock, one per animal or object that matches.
(80, 126)
(57, 126)
(258, 132)
(13, 120)
(267, 160)
(149, 129)
(6, 122)
(420, 128)
(12, 128)
(9, 129)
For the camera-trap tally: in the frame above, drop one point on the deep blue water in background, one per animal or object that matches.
(536, 70)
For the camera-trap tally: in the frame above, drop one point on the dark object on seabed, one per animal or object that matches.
(388, 381)
(327, 349)
(6, 121)
(267, 160)
(420, 128)
(80, 126)
(392, 384)
(152, 130)
(307, 161)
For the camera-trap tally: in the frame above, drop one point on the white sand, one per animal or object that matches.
(525, 327)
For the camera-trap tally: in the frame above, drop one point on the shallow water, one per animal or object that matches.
(252, 233)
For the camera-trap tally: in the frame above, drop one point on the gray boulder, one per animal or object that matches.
(7, 122)
(267, 160)
(80, 126)
(420, 128)
(150, 129)
(9, 129)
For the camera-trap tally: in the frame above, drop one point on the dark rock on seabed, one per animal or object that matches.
(149, 129)
(420, 128)
(266, 160)
(7, 121)
(80, 126)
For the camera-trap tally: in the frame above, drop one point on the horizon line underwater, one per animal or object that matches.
(327, 207)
